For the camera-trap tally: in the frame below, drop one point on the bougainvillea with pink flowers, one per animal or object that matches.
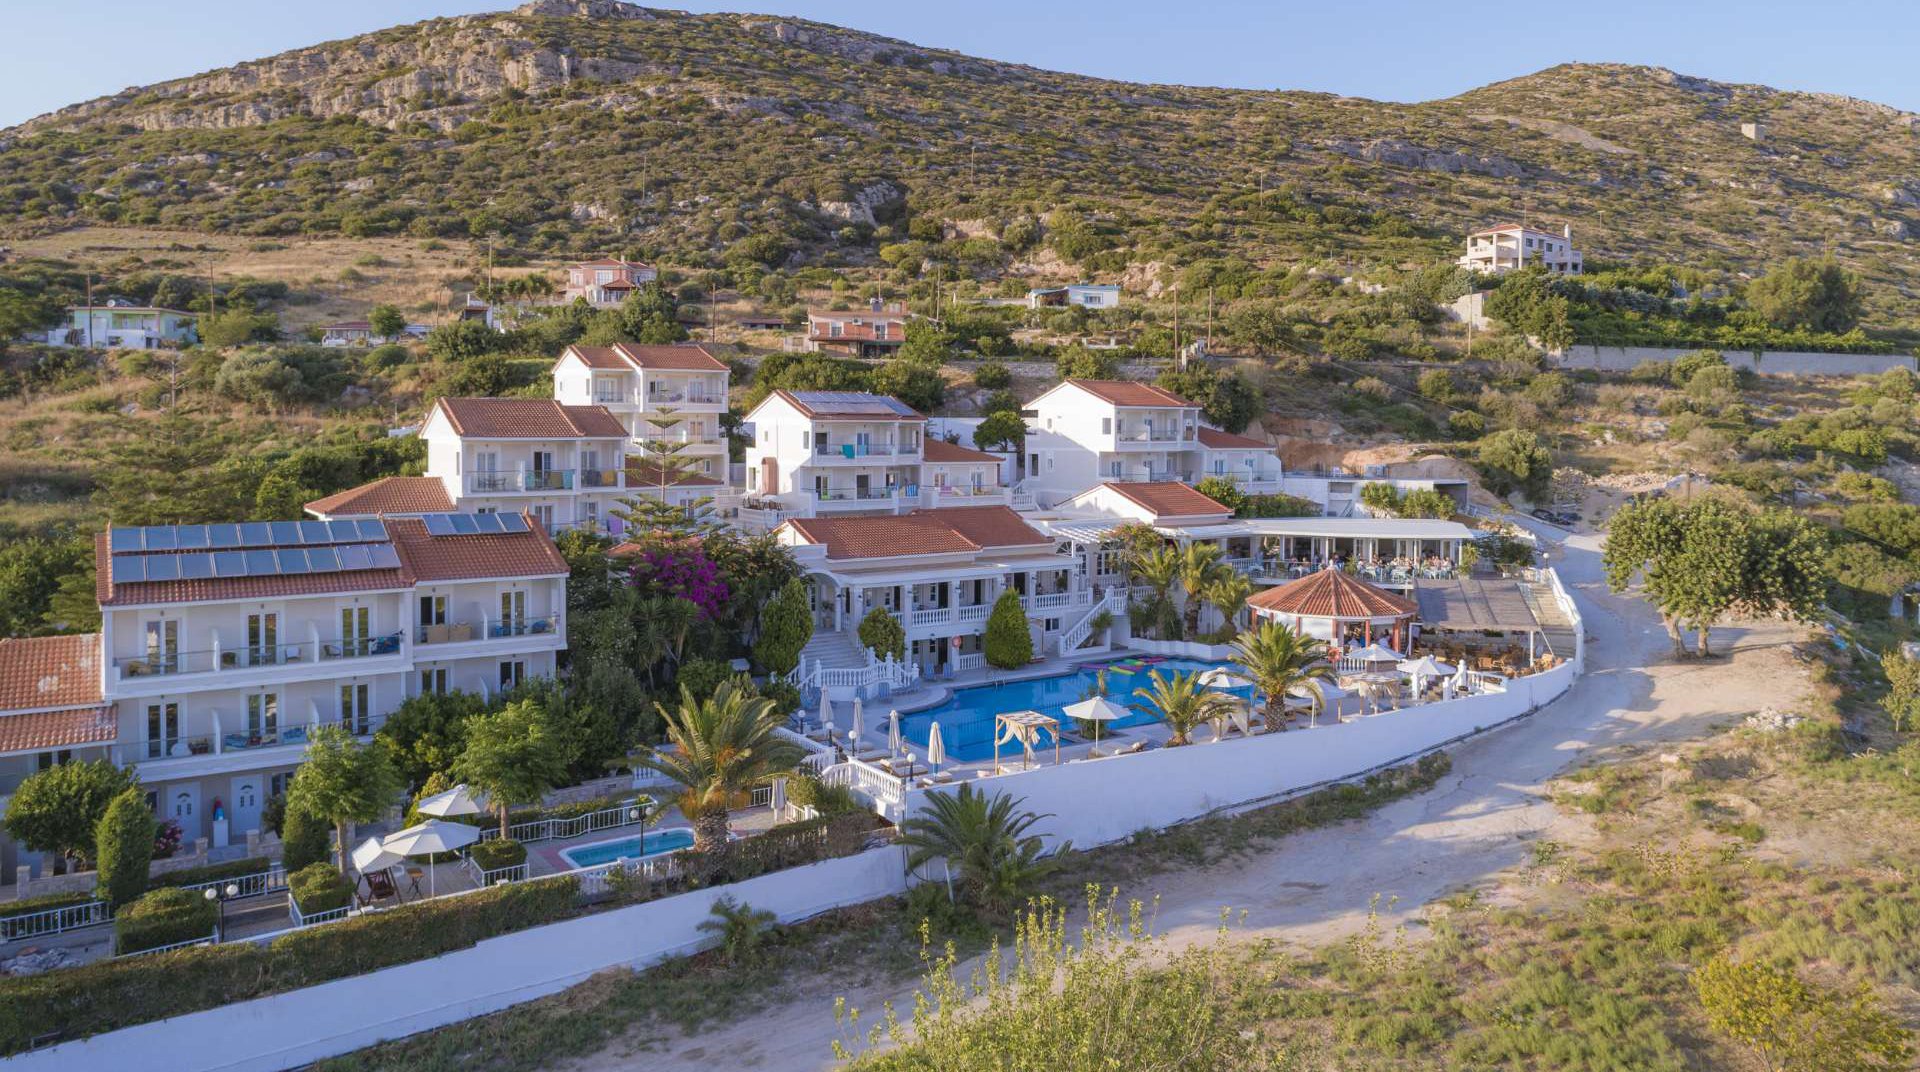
(678, 567)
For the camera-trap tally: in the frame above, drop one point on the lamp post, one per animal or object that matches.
(220, 896)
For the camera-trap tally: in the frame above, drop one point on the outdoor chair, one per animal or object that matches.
(379, 887)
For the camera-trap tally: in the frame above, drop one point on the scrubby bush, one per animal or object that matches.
(318, 888)
(992, 375)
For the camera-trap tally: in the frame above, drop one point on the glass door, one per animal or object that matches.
(513, 613)
(355, 631)
(163, 646)
(354, 709)
(263, 639)
(163, 729)
(263, 718)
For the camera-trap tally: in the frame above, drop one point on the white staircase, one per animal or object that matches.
(834, 651)
(1114, 602)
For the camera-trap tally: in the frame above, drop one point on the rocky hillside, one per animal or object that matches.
(573, 125)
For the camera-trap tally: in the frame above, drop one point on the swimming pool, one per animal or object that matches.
(966, 718)
(657, 843)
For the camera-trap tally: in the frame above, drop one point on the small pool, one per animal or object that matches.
(966, 718)
(657, 843)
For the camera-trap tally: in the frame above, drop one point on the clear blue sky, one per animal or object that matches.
(57, 53)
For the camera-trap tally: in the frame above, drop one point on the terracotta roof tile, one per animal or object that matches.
(430, 558)
(670, 358)
(41, 731)
(211, 588)
(1215, 439)
(388, 495)
(598, 357)
(1332, 594)
(44, 672)
(528, 418)
(608, 262)
(1166, 498)
(939, 450)
(987, 526)
(883, 536)
(1130, 393)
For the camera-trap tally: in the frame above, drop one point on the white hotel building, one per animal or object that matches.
(222, 647)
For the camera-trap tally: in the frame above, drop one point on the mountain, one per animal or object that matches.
(585, 125)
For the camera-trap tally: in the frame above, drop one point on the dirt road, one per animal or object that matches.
(1468, 829)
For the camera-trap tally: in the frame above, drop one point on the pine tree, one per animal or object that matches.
(785, 627)
(1009, 644)
(123, 845)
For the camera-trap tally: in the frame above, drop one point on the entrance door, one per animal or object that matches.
(183, 807)
(244, 813)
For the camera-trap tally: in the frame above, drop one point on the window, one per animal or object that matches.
(356, 631)
(433, 610)
(433, 682)
(163, 644)
(753, 479)
(512, 673)
(513, 613)
(545, 516)
(277, 784)
(1106, 426)
(593, 513)
(263, 717)
(47, 760)
(163, 730)
(354, 709)
(263, 639)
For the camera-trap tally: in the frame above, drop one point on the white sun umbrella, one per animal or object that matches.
(372, 856)
(936, 748)
(429, 838)
(1426, 666)
(1375, 653)
(859, 727)
(459, 800)
(1222, 678)
(1330, 696)
(1096, 710)
(893, 733)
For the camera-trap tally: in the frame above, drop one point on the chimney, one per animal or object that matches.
(877, 304)
(1566, 231)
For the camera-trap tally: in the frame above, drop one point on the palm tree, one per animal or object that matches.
(739, 926)
(1158, 568)
(1228, 594)
(725, 746)
(985, 839)
(1183, 704)
(1200, 566)
(1279, 659)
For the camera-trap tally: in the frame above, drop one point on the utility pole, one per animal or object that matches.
(1209, 319)
(89, 310)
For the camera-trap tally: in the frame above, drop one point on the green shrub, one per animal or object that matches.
(189, 876)
(123, 848)
(319, 888)
(992, 375)
(881, 633)
(163, 917)
(498, 853)
(304, 839)
(808, 791)
(1009, 644)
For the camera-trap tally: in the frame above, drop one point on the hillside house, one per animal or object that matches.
(606, 282)
(876, 331)
(125, 325)
(1510, 247)
(1085, 295)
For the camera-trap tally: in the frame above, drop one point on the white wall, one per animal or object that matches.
(1767, 362)
(303, 1026)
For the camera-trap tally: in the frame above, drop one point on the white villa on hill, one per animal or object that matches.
(222, 647)
(1085, 432)
(606, 282)
(1508, 247)
(120, 324)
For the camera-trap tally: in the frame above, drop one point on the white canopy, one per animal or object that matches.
(372, 856)
(1425, 666)
(459, 800)
(430, 837)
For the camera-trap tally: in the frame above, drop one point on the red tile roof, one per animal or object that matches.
(46, 672)
(1165, 498)
(428, 558)
(1215, 439)
(42, 731)
(387, 495)
(628, 356)
(939, 450)
(1330, 593)
(110, 594)
(861, 332)
(1130, 393)
(528, 418)
(923, 532)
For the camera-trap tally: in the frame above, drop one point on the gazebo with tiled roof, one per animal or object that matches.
(1326, 603)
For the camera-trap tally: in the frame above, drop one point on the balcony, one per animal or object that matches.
(601, 478)
(1147, 476)
(963, 495)
(487, 628)
(691, 395)
(548, 480)
(271, 661)
(523, 481)
(856, 451)
(858, 498)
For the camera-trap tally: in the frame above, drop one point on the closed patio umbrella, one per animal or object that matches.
(779, 801)
(429, 838)
(859, 727)
(893, 733)
(826, 714)
(1096, 710)
(936, 748)
(459, 800)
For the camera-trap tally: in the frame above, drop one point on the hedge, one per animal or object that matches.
(188, 876)
(319, 888)
(44, 902)
(112, 994)
(498, 853)
(163, 917)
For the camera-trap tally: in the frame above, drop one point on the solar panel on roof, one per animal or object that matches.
(129, 568)
(384, 556)
(255, 534)
(191, 537)
(163, 567)
(356, 556)
(464, 524)
(373, 529)
(323, 559)
(292, 560)
(196, 567)
(124, 540)
(439, 525)
(223, 535)
(488, 524)
(315, 532)
(512, 523)
(230, 563)
(343, 531)
(159, 537)
(261, 564)
(284, 532)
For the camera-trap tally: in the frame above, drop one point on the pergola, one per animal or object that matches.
(1025, 727)
(1325, 603)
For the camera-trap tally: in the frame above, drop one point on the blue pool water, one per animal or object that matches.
(966, 718)
(654, 844)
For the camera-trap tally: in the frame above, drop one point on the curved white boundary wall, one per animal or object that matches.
(1101, 801)
(1766, 362)
(1093, 803)
(303, 1026)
